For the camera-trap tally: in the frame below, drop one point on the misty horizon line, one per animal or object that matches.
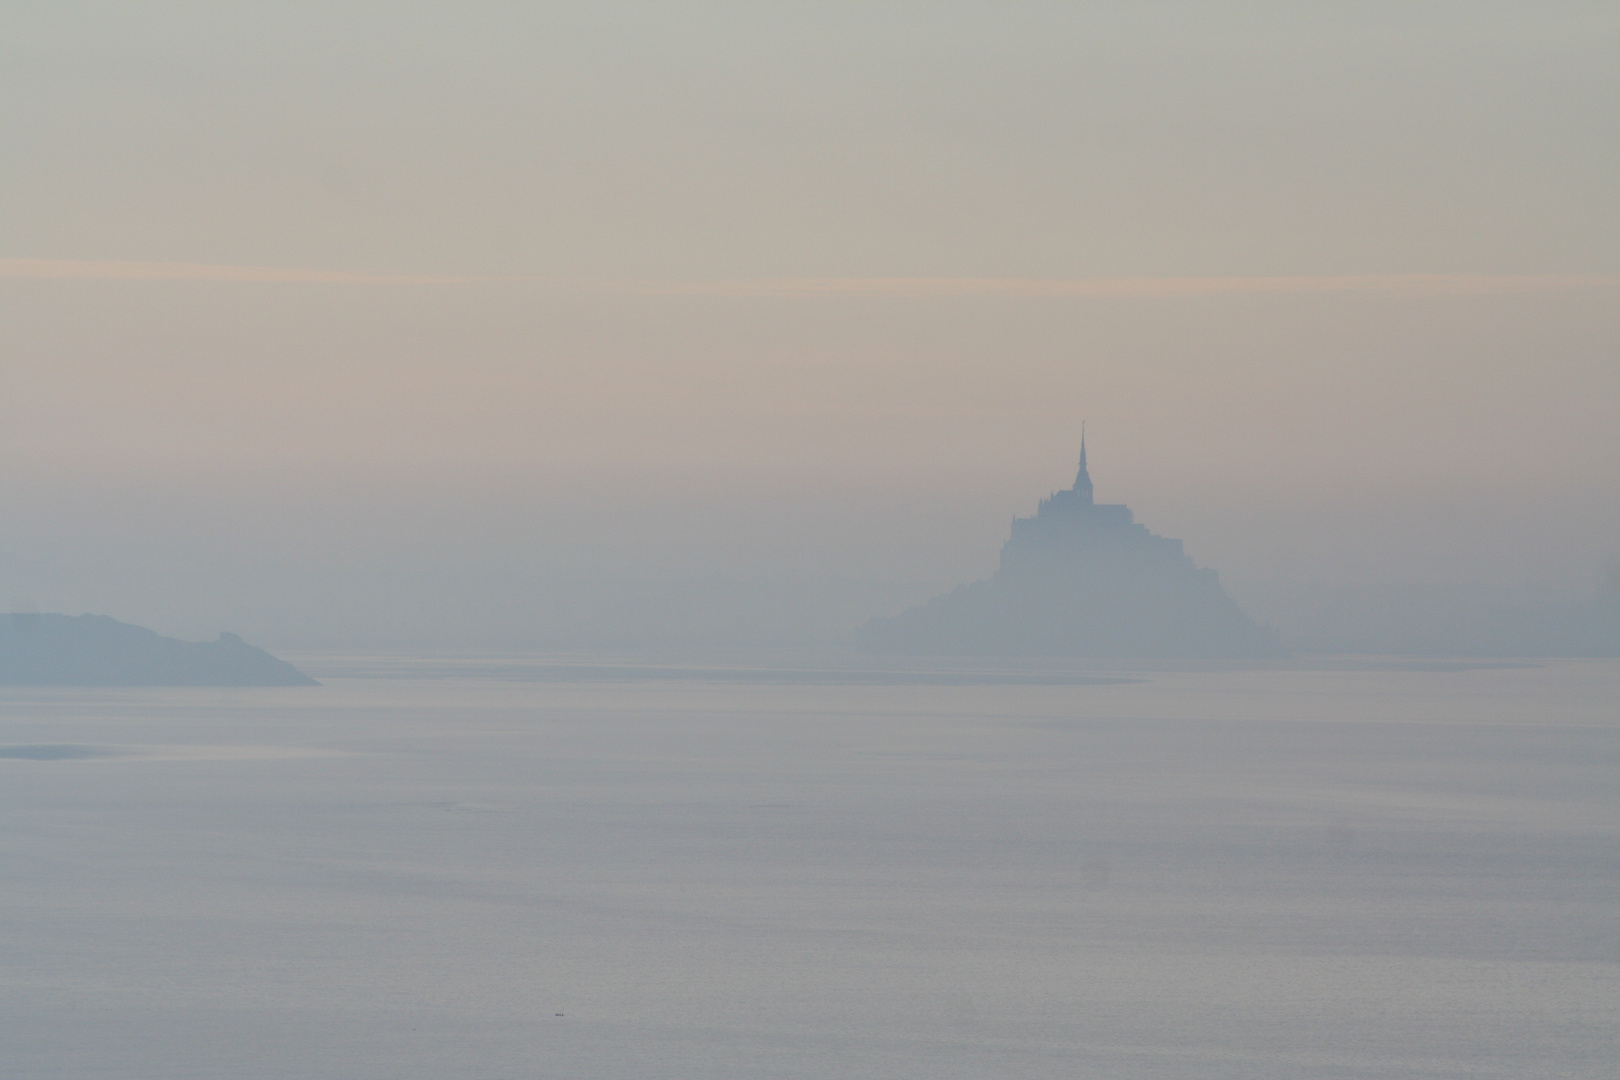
(815, 287)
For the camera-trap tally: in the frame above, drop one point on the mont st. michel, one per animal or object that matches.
(1080, 578)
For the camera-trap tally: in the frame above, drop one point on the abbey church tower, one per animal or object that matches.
(1080, 578)
(1082, 482)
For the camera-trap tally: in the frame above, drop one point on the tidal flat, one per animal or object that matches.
(478, 867)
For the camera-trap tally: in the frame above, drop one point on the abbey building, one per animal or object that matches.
(1080, 578)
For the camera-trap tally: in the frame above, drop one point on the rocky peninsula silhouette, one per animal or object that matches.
(94, 650)
(1080, 578)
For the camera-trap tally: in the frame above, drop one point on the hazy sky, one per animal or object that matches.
(803, 291)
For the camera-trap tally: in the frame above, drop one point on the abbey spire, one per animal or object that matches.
(1079, 578)
(1082, 482)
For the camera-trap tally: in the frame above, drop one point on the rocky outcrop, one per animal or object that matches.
(1080, 579)
(94, 650)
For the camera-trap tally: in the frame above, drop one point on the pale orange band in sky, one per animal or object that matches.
(1142, 286)
(93, 270)
(1434, 284)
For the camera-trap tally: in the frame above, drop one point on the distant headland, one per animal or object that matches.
(1080, 579)
(94, 650)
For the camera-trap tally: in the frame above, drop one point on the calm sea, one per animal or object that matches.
(588, 869)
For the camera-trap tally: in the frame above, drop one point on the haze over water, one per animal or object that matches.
(1290, 874)
(483, 357)
(516, 326)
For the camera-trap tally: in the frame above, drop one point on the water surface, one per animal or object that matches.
(412, 870)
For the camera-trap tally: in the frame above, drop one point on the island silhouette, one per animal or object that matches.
(1080, 578)
(95, 650)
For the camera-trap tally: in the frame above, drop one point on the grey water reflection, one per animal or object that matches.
(1275, 873)
(57, 752)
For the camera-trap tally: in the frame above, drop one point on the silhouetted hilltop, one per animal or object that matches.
(1080, 579)
(94, 650)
